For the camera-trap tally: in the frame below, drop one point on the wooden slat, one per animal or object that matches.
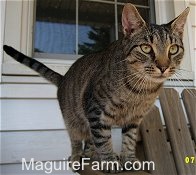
(155, 144)
(178, 131)
(189, 99)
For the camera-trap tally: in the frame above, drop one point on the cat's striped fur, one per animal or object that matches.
(117, 86)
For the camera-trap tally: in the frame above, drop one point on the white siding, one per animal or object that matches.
(192, 5)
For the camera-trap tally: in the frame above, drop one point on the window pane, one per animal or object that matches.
(58, 28)
(138, 2)
(55, 27)
(96, 26)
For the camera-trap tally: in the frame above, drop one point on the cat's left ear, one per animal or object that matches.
(131, 20)
(177, 25)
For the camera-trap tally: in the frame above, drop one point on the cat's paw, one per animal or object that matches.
(130, 162)
(111, 164)
(92, 154)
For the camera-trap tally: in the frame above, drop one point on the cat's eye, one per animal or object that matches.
(173, 49)
(146, 48)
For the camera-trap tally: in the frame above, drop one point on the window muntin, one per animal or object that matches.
(80, 26)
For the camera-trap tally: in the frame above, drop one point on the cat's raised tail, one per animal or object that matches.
(43, 70)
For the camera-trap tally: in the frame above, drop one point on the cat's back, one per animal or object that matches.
(80, 74)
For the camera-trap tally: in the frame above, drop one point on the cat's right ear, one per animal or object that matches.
(131, 20)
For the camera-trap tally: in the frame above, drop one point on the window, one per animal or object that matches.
(35, 26)
(79, 27)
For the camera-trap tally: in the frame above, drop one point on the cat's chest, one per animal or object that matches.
(129, 109)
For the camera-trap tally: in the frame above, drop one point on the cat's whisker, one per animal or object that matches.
(180, 81)
(135, 76)
(143, 87)
(138, 83)
(187, 78)
(179, 69)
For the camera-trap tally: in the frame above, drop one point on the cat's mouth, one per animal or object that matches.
(159, 78)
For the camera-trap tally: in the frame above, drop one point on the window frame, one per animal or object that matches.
(25, 15)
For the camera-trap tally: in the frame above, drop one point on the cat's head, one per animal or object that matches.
(155, 51)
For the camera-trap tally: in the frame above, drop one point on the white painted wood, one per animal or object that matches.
(40, 145)
(13, 25)
(24, 79)
(31, 114)
(27, 28)
(117, 139)
(192, 14)
(28, 114)
(16, 169)
(192, 2)
(194, 36)
(2, 7)
(164, 11)
(28, 91)
(18, 26)
(187, 62)
(193, 23)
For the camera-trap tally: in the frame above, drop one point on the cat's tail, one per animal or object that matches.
(43, 70)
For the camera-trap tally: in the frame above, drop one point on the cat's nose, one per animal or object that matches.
(162, 68)
(162, 64)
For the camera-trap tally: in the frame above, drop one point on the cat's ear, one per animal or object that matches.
(177, 25)
(131, 19)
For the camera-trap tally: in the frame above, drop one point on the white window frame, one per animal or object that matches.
(18, 32)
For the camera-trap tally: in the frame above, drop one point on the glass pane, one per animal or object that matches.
(136, 2)
(96, 26)
(55, 26)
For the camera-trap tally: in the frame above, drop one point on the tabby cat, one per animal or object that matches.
(117, 86)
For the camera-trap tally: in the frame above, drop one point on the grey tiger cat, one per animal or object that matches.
(117, 86)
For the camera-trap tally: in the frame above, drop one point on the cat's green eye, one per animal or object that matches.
(146, 48)
(173, 49)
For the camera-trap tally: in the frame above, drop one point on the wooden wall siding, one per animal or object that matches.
(41, 145)
(15, 169)
(193, 21)
(31, 114)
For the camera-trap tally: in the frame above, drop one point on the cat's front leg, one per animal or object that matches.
(101, 134)
(129, 141)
